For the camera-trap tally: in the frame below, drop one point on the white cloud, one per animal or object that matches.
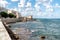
(39, 14)
(48, 6)
(57, 5)
(51, 0)
(37, 7)
(38, 1)
(3, 3)
(22, 3)
(36, 11)
(14, 0)
(28, 4)
(45, 3)
(15, 9)
(50, 10)
(44, 0)
(28, 11)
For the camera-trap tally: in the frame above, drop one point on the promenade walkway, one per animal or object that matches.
(3, 32)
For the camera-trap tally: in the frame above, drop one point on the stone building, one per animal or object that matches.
(14, 12)
(29, 18)
(10, 11)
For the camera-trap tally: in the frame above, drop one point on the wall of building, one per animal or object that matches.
(14, 12)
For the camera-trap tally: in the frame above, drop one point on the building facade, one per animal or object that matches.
(14, 12)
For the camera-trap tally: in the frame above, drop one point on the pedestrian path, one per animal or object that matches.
(3, 32)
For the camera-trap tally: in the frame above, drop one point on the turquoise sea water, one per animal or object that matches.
(45, 27)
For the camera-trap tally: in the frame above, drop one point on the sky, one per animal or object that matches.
(36, 8)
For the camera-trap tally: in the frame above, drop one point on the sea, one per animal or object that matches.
(33, 30)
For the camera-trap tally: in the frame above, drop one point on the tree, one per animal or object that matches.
(11, 15)
(4, 14)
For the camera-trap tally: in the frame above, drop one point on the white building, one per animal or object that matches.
(14, 12)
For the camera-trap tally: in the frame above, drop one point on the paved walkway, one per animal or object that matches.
(3, 32)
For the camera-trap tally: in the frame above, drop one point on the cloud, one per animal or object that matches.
(37, 7)
(38, 11)
(57, 5)
(28, 4)
(14, 0)
(50, 10)
(25, 8)
(3, 3)
(28, 11)
(15, 9)
(22, 3)
(47, 5)
(51, 0)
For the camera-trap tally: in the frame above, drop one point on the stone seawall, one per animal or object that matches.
(13, 20)
(11, 34)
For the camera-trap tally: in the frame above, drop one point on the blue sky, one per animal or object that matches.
(36, 8)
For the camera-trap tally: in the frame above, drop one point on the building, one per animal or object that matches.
(9, 11)
(29, 18)
(14, 12)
